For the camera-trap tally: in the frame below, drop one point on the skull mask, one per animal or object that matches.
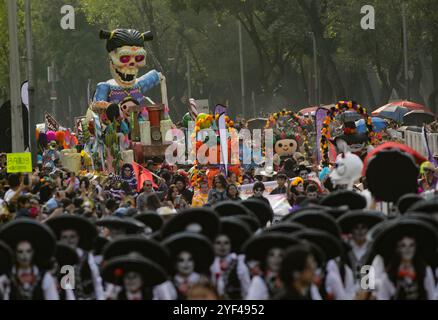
(127, 54)
(125, 63)
(348, 169)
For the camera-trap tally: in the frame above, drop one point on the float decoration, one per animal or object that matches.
(341, 107)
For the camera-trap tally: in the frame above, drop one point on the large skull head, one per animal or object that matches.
(125, 63)
(348, 169)
(127, 54)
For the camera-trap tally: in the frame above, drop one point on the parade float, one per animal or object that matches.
(122, 124)
(213, 156)
(291, 135)
(347, 139)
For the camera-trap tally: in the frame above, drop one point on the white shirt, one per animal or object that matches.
(95, 274)
(9, 195)
(242, 273)
(335, 285)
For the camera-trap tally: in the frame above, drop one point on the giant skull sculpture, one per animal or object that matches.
(126, 56)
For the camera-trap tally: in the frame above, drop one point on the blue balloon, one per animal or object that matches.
(379, 124)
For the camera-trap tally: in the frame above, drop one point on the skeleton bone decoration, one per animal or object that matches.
(127, 56)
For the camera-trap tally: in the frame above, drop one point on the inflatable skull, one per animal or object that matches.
(348, 169)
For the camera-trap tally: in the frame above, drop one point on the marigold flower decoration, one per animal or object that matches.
(342, 107)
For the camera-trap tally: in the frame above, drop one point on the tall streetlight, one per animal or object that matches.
(242, 71)
(189, 77)
(31, 88)
(14, 75)
(405, 51)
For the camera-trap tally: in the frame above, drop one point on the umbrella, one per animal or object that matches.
(418, 118)
(311, 110)
(379, 124)
(397, 109)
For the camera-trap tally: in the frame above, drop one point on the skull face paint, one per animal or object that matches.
(185, 265)
(24, 254)
(407, 248)
(133, 282)
(125, 63)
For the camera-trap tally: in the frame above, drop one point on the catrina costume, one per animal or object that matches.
(192, 269)
(34, 245)
(149, 274)
(352, 223)
(404, 246)
(88, 280)
(148, 249)
(265, 283)
(230, 275)
(65, 256)
(6, 262)
(335, 279)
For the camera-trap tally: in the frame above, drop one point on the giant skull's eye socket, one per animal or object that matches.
(125, 59)
(139, 58)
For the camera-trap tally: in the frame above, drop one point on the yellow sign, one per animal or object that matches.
(19, 162)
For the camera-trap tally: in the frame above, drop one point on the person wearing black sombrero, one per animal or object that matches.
(152, 220)
(355, 226)
(266, 251)
(6, 262)
(147, 248)
(191, 257)
(229, 272)
(79, 233)
(135, 274)
(65, 256)
(335, 278)
(115, 227)
(33, 245)
(297, 273)
(197, 220)
(405, 245)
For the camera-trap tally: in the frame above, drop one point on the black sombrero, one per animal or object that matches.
(151, 219)
(39, 235)
(350, 199)
(423, 217)
(131, 225)
(86, 230)
(236, 230)
(369, 218)
(205, 218)
(386, 239)
(317, 220)
(426, 206)
(230, 208)
(330, 245)
(66, 255)
(262, 210)
(6, 258)
(198, 245)
(251, 220)
(407, 201)
(147, 248)
(285, 227)
(115, 269)
(391, 174)
(258, 246)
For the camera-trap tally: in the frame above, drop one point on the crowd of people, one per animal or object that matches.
(172, 241)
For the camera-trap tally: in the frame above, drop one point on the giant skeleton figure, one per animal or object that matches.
(126, 56)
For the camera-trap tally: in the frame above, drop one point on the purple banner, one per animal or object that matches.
(320, 115)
